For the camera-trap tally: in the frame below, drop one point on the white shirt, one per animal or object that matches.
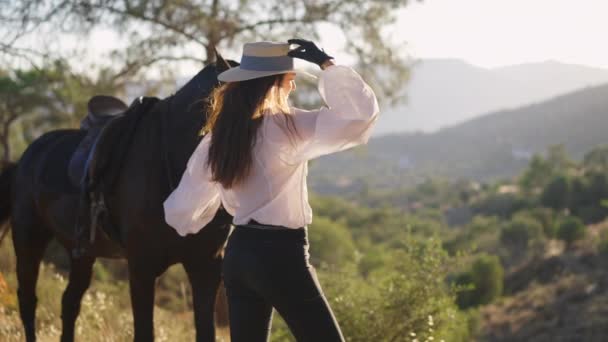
(275, 192)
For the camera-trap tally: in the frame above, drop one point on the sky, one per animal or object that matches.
(492, 33)
(486, 33)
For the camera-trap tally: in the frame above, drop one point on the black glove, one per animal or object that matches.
(308, 51)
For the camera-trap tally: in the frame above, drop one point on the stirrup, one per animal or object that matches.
(98, 208)
(81, 246)
(79, 251)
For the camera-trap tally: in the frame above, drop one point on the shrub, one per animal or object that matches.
(487, 279)
(602, 247)
(410, 297)
(373, 259)
(557, 193)
(501, 205)
(571, 229)
(520, 232)
(544, 216)
(330, 242)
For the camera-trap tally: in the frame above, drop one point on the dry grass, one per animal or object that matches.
(105, 314)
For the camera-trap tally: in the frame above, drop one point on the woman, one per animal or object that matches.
(253, 161)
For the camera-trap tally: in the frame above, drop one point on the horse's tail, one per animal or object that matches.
(6, 181)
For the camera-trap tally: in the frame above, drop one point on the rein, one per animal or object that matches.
(164, 143)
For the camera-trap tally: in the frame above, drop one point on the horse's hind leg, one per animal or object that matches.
(80, 279)
(204, 276)
(29, 242)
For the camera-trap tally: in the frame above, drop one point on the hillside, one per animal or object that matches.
(445, 92)
(490, 147)
(561, 297)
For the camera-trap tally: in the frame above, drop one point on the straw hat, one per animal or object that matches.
(261, 59)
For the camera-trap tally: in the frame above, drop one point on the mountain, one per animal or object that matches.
(444, 92)
(492, 146)
(551, 77)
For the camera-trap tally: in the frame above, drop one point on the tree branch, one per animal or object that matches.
(266, 22)
(23, 53)
(152, 20)
(133, 67)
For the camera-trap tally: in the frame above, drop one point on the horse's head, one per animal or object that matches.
(222, 64)
(201, 85)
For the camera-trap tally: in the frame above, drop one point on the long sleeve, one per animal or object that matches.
(195, 201)
(347, 121)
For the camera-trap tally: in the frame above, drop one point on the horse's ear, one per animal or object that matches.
(220, 63)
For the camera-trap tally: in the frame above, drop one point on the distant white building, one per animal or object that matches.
(522, 153)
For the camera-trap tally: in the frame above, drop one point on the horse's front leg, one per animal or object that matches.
(141, 285)
(80, 279)
(204, 276)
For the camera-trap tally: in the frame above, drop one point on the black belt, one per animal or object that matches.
(258, 225)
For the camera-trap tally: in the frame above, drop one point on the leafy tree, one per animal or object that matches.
(586, 196)
(556, 194)
(558, 158)
(536, 174)
(36, 100)
(571, 229)
(596, 159)
(541, 170)
(23, 92)
(190, 30)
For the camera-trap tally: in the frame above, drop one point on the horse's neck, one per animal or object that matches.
(186, 113)
(183, 119)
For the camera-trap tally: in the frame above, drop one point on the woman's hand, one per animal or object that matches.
(308, 51)
(327, 64)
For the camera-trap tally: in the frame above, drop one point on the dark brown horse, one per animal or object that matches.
(35, 195)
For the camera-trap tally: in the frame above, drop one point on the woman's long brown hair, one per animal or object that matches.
(233, 118)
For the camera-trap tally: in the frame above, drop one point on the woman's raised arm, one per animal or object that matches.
(347, 121)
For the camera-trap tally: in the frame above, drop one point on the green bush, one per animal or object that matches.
(479, 235)
(557, 193)
(501, 205)
(330, 242)
(487, 279)
(544, 216)
(587, 193)
(571, 229)
(602, 247)
(520, 232)
(375, 258)
(409, 297)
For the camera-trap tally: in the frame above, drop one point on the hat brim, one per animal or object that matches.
(237, 74)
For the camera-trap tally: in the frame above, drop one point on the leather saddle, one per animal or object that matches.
(96, 163)
(101, 110)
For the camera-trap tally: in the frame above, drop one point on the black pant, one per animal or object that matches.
(266, 268)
